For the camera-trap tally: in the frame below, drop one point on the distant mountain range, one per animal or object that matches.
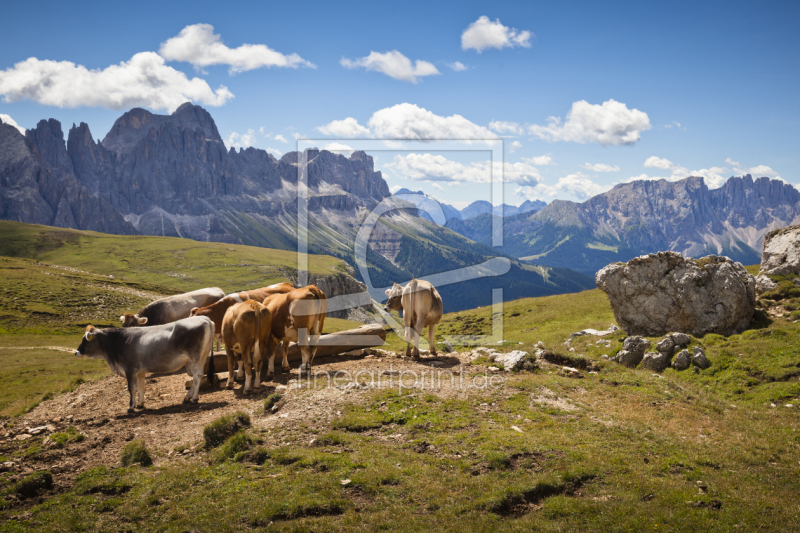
(646, 216)
(171, 175)
(443, 212)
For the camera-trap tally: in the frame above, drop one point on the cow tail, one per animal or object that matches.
(211, 376)
(257, 349)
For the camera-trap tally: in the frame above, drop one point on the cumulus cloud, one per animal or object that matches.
(436, 186)
(501, 126)
(241, 140)
(540, 160)
(347, 128)
(409, 121)
(600, 167)
(280, 138)
(458, 66)
(337, 147)
(758, 171)
(274, 151)
(577, 185)
(658, 162)
(11, 122)
(435, 167)
(143, 81)
(393, 64)
(199, 45)
(515, 146)
(483, 34)
(611, 123)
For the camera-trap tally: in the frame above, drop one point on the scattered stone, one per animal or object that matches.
(344, 482)
(781, 253)
(682, 361)
(611, 329)
(37, 430)
(360, 352)
(448, 348)
(6, 466)
(540, 345)
(658, 293)
(632, 352)
(511, 360)
(23, 436)
(572, 350)
(680, 339)
(665, 345)
(515, 428)
(493, 369)
(699, 358)
(655, 361)
(764, 284)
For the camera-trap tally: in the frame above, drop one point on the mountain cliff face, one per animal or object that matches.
(648, 216)
(171, 175)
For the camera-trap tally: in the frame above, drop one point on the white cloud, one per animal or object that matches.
(436, 186)
(600, 167)
(515, 146)
(611, 123)
(757, 171)
(280, 138)
(11, 122)
(394, 188)
(434, 167)
(712, 176)
(337, 147)
(241, 140)
(393, 64)
(347, 128)
(458, 66)
(577, 185)
(540, 160)
(199, 45)
(144, 81)
(658, 162)
(274, 151)
(501, 126)
(408, 121)
(483, 34)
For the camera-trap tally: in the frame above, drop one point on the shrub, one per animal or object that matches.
(235, 447)
(135, 452)
(220, 429)
(68, 436)
(271, 400)
(34, 483)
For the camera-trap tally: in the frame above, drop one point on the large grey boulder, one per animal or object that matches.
(655, 361)
(658, 293)
(699, 358)
(632, 352)
(511, 360)
(781, 251)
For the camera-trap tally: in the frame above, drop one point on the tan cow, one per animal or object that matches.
(216, 312)
(297, 316)
(246, 329)
(421, 306)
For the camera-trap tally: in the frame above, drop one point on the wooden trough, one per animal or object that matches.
(366, 336)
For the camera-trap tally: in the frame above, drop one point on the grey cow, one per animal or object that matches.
(134, 352)
(172, 308)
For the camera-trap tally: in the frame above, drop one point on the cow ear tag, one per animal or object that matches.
(89, 336)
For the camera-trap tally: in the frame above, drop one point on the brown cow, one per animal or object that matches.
(297, 316)
(246, 329)
(216, 312)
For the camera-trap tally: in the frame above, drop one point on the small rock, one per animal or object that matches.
(344, 482)
(448, 347)
(511, 360)
(23, 436)
(682, 361)
(572, 350)
(540, 345)
(632, 352)
(699, 359)
(655, 361)
(37, 430)
(665, 345)
(681, 339)
(515, 428)
(493, 369)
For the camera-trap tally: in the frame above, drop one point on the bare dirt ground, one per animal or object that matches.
(173, 431)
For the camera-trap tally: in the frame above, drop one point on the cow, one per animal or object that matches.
(134, 352)
(421, 306)
(171, 308)
(246, 328)
(297, 316)
(216, 312)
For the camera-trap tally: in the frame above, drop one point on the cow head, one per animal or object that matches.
(89, 346)
(395, 302)
(129, 320)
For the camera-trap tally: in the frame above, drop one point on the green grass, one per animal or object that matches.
(136, 452)
(224, 427)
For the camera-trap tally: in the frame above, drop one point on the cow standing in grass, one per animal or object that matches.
(297, 316)
(172, 308)
(134, 352)
(421, 306)
(246, 330)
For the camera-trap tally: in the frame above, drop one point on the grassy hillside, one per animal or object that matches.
(181, 264)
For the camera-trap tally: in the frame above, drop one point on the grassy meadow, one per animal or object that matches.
(612, 449)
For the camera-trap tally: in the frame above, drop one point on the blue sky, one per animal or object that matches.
(706, 88)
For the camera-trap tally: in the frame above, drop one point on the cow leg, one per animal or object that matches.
(231, 359)
(140, 390)
(305, 351)
(417, 334)
(408, 340)
(248, 373)
(193, 393)
(285, 363)
(131, 392)
(240, 372)
(431, 329)
(270, 354)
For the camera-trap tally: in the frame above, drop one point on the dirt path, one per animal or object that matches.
(98, 410)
